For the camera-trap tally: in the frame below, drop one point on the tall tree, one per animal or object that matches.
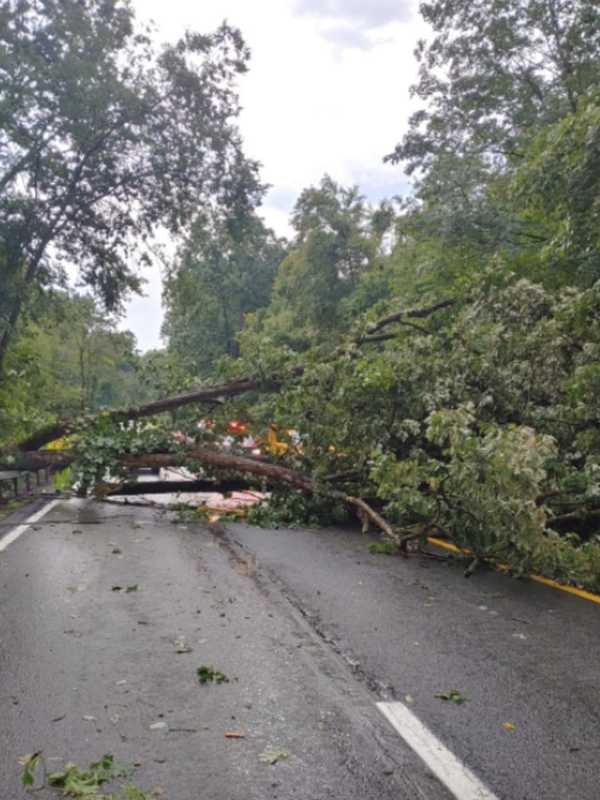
(495, 71)
(224, 271)
(103, 138)
(557, 190)
(335, 244)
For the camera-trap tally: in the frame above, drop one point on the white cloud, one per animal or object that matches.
(346, 36)
(312, 102)
(368, 13)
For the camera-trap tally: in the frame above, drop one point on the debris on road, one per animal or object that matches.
(452, 695)
(273, 756)
(72, 781)
(208, 674)
(384, 548)
(33, 764)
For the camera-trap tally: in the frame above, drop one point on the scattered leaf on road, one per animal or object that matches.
(30, 763)
(133, 588)
(384, 548)
(181, 646)
(273, 756)
(117, 588)
(453, 695)
(234, 735)
(77, 782)
(509, 726)
(408, 698)
(208, 674)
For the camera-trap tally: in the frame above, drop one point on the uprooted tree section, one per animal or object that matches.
(480, 422)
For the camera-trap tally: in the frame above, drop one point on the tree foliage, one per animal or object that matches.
(224, 271)
(68, 359)
(559, 188)
(496, 71)
(104, 137)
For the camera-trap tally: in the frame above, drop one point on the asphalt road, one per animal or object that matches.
(312, 631)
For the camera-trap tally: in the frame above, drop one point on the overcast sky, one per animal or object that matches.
(327, 91)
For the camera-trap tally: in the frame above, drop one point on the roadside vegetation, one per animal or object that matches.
(432, 363)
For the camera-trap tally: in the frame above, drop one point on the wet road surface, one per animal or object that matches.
(312, 631)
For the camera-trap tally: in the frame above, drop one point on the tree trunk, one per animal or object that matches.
(174, 487)
(271, 475)
(200, 395)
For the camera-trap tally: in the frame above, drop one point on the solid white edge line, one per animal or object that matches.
(20, 529)
(445, 766)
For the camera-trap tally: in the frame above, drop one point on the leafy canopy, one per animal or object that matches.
(104, 137)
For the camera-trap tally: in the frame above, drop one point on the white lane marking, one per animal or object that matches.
(444, 765)
(20, 529)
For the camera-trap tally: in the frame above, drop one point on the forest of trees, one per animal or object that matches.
(437, 355)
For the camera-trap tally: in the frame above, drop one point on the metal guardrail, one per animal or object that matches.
(20, 483)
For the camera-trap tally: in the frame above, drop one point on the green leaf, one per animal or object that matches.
(452, 695)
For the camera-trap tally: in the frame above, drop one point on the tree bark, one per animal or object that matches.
(174, 487)
(43, 459)
(272, 473)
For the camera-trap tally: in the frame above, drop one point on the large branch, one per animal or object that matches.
(580, 516)
(204, 394)
(175, 487)
(222, 460)
(42, 459)
(411, 313)
(270, 473)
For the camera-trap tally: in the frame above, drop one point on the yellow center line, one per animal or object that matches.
(593, 598)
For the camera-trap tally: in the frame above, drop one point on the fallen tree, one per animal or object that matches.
(447, 425)
(271, 473)
(212, 394)
(268, 473)
(203, 394)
